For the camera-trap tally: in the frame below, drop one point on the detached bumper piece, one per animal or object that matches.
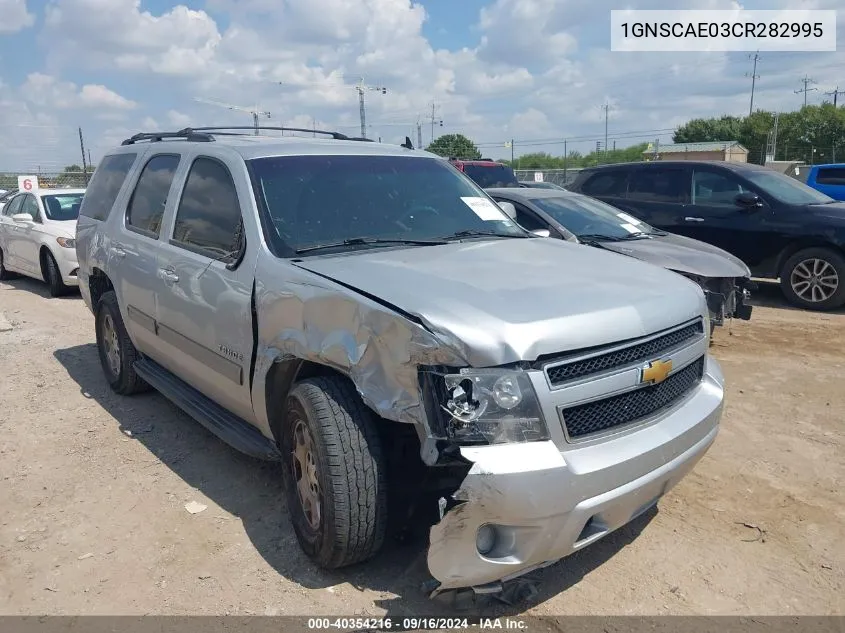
(727, 298)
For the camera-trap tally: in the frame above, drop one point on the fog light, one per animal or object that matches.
(506, 392)
(485, 539)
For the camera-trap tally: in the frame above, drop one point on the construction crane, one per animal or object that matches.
(361, 87)
(255, 112)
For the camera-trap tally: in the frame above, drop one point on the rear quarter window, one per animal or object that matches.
(105, 185)
(606, 183)
(831, 176)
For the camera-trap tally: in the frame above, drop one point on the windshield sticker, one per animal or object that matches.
(484, 208)
(630, 228)
(628, 218)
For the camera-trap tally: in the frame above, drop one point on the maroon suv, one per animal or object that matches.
(487, 173)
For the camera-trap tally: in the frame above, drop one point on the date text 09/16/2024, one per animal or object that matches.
(415, 623)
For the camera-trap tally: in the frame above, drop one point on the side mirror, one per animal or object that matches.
(509, 209)
(542, 232)
(23, 218)
(749, 201)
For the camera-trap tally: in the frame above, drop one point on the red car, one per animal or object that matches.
(487, 173)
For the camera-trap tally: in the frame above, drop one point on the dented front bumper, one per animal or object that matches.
(545, 500)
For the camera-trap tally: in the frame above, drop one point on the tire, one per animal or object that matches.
(5, 274)
(117, 353)
(53, 276)
(350, 521)
(802, 275)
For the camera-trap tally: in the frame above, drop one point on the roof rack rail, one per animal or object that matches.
(335, 135)
(153, 137)
(206, 134)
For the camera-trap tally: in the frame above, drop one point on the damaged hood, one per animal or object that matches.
(683, 254)
(501, 301)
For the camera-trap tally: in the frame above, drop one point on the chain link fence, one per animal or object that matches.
(47, 180)
(560, 177)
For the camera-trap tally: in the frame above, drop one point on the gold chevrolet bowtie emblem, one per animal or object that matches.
(656, 371)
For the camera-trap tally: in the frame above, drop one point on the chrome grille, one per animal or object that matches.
(638, 352)
(601, 415)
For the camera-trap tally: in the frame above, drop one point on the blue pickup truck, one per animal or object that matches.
(829, 179)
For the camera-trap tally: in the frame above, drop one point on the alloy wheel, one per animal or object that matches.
(814, 280)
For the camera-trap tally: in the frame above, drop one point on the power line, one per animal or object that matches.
(806, 81)
(754, 78)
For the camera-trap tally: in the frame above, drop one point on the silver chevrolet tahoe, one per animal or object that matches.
(367, 316)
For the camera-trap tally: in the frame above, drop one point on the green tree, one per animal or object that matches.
(815, 133)
(455, 146)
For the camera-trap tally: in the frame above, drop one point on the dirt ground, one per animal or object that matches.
(93, 489)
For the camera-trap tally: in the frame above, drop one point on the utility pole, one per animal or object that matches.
(362, 88)
(806, 81)
(775, 138)
(606, 108)
(511, 152)
(565, 159)
(754, 78)
(433, 119)
(82, 147)
(836, 92)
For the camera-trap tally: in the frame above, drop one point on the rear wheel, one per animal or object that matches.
(334, 472)
(814, 278)
(117, 353)
(53, 276)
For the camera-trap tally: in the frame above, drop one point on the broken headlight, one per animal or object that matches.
(492, 407)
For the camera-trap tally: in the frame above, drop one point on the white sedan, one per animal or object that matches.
(37, 231)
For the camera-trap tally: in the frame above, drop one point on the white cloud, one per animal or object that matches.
(14, 16)
(47, 91)
(529, 69)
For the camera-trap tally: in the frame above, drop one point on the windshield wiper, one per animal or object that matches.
(366, 241)
(479, 233)
(598, 237)
(635, 236)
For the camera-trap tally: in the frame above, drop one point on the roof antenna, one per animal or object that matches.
(407, 144)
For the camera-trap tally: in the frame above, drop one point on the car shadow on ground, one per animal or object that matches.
(28, 284)
(768, 294)
(252, 491)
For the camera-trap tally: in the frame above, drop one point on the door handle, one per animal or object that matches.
(168, 275)
(117, 251)
(688, 219)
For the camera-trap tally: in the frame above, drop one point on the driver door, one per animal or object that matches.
(713, 216)
(7, 229)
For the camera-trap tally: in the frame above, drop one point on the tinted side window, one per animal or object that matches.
(831, 176)
(528, 220)
(13, 207)
(606, 184)
(658, 185)
(711, 188)
(146, 207)
(30, 206)
(209, 216)
(105, 185)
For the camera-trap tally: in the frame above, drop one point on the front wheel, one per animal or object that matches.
(334, 473)
(54, 276)
(4, 274)
(814, 278)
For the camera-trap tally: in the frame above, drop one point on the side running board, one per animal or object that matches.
(233, 430)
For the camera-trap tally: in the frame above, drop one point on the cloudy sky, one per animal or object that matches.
(536, 71)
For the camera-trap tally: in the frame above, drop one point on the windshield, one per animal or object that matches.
(585, 216)
(487, 176)
(317, 200)
(62, 206)
(787, 189)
